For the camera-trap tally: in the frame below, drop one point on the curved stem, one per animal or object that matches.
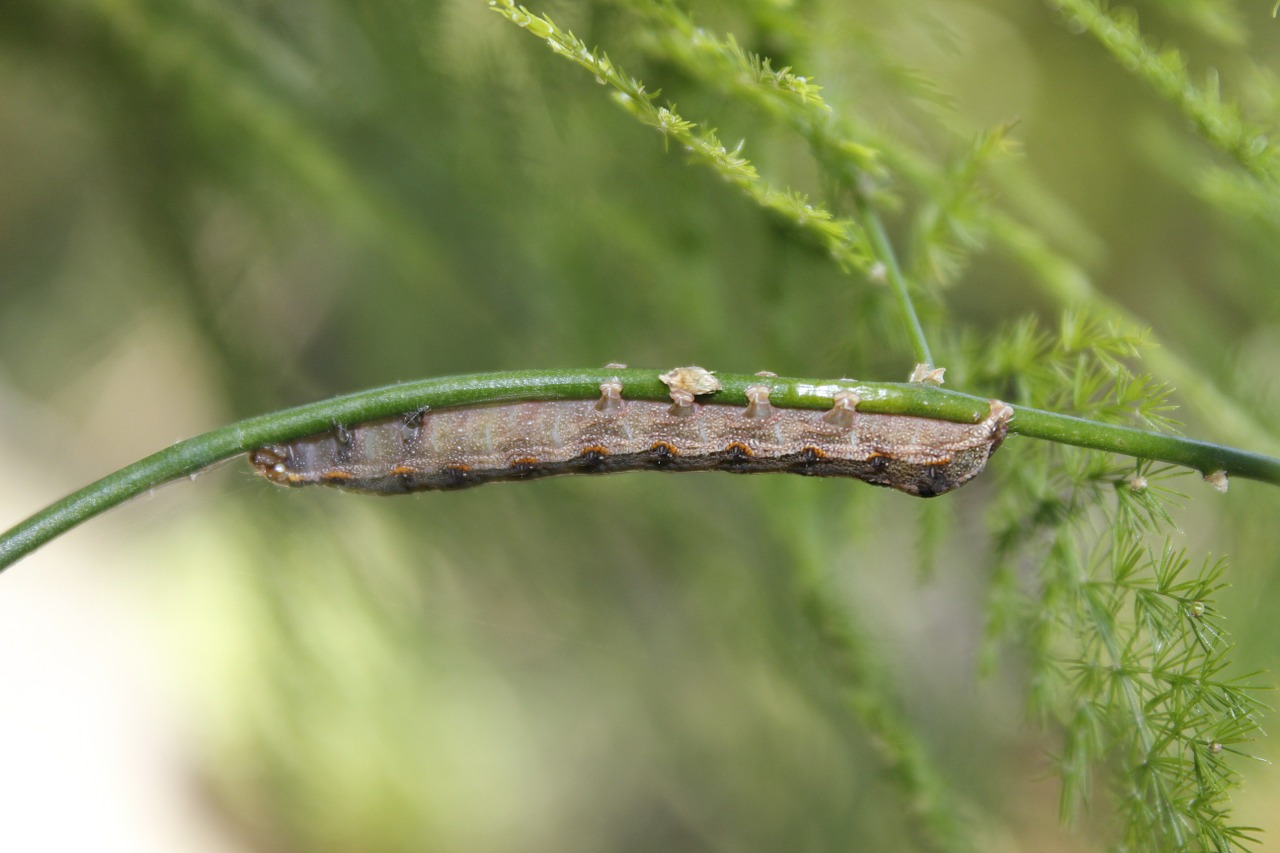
(194, 454)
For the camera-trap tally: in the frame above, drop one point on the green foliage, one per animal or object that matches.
(842, 237)
(1165, 70)
(1126, 654)
(1125, 648)
(302, 198)
(948, 227)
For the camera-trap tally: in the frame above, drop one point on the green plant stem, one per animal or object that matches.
(883, 250)
(194, 454)
(1072, 286)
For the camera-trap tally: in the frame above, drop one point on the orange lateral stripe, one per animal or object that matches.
(332, 476)
(595, 448)
(667, 446)
(403, 470)
(740, 447)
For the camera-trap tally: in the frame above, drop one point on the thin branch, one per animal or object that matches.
(841, 236)
(194, 454)
(1219, 122)
(883, 251)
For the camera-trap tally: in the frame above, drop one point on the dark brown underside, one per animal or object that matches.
(881, 470)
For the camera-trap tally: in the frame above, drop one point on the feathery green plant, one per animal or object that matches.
(1219, 122)
(1127, 655)
(1115, 628)
(1125, 647)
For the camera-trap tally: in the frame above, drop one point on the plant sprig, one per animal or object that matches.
(1119, 627)
(841, 236)
(1220, 122)
(853, 167)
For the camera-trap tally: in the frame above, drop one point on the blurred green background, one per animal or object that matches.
(215, 208)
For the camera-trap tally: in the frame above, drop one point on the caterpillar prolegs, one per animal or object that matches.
(470, 445)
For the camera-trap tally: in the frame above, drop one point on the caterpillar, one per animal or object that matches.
(469, 445)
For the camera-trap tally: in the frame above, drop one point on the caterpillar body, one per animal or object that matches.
(470, 445)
